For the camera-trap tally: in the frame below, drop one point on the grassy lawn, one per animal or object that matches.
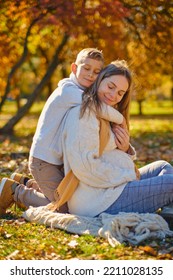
(153, 108)
(152, 137)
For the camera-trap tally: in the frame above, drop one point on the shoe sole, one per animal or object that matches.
(2, 210)
(2, 184)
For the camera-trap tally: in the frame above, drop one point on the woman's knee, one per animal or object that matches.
(166, 167)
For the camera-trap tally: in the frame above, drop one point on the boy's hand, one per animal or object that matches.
(121, 137)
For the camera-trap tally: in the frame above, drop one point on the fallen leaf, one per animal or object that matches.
(149, 250)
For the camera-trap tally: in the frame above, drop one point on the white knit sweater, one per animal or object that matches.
(101, 179)
(46, 143)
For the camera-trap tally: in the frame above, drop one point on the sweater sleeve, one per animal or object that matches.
(110, 114)
(71, 96)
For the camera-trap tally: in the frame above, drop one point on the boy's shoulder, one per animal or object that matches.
(70, 82)
(66, 82)
(68, 86)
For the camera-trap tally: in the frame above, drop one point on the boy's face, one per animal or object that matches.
(87, 72)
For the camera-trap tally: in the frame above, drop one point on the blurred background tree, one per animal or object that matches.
(40, 39)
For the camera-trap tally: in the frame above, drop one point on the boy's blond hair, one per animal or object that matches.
(92, 53)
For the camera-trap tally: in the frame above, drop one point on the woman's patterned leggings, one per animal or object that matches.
(153, 191)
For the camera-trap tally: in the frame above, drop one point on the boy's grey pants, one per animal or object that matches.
(47, 176)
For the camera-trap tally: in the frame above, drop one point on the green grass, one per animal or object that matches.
(153, 108)
(21, 240)
(152, 138)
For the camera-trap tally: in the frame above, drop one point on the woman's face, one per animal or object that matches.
(112, 89)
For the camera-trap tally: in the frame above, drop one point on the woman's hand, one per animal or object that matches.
(121, 137)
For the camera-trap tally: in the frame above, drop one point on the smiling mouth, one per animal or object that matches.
(108, 100)
(90, 81)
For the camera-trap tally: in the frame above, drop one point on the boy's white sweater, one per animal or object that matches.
(102, 179)
(46, 143)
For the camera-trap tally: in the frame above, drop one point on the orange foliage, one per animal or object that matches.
(139, 31)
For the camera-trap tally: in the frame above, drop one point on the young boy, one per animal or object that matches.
(45, 159)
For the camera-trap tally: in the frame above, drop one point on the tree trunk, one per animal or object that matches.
(140, 107)
(18, 64)
(8, 127)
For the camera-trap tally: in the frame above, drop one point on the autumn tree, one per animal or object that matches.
(150, 44)
(71, 18)
(39, 37)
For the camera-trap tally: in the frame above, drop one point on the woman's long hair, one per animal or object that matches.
(90, 96)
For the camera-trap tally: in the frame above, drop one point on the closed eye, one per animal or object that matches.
(86, 68)
(121, 93)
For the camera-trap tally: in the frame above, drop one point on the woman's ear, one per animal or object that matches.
(74, 68)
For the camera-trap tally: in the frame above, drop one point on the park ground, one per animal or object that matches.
(152, 136)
